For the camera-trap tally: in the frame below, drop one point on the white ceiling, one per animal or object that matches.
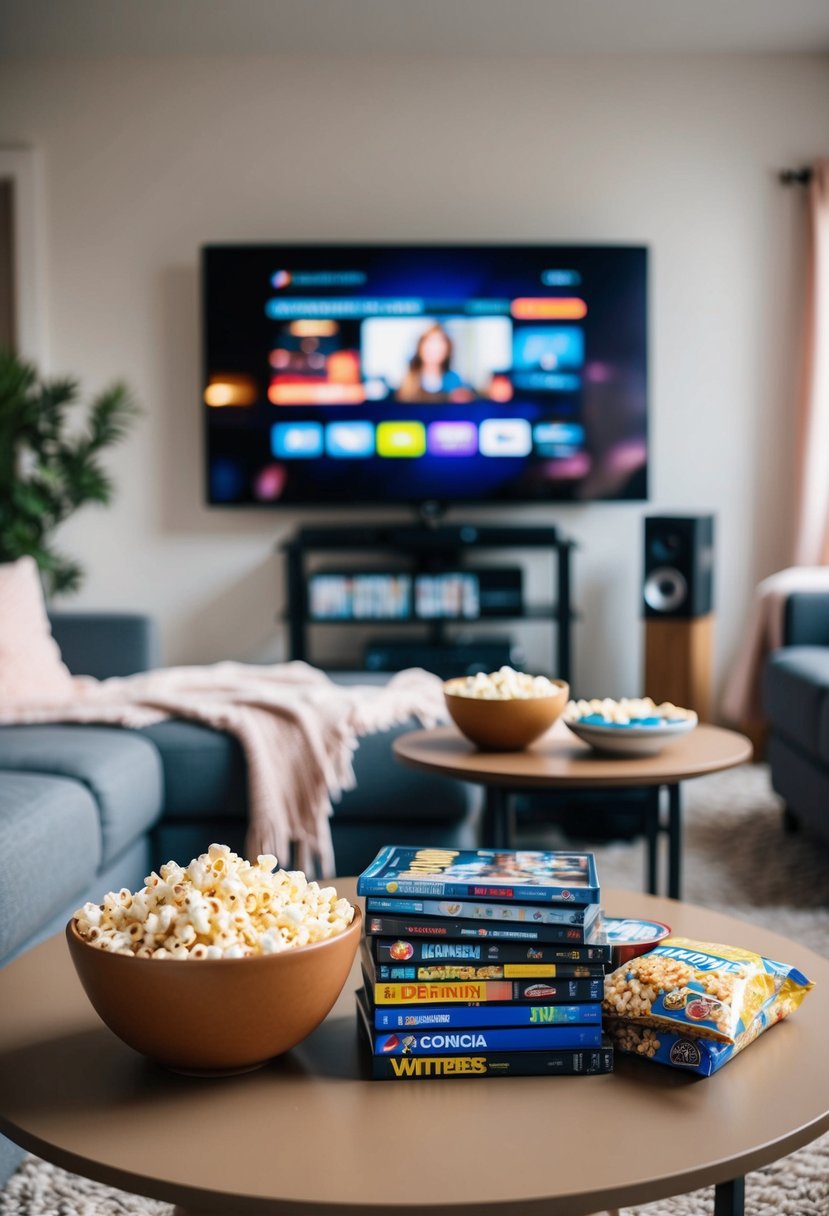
(72, 28)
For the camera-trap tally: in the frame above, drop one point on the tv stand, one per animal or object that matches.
(427, 548)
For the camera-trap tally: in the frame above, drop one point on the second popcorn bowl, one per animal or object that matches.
(504, 724)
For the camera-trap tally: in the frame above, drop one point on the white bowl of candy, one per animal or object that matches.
(634, 726)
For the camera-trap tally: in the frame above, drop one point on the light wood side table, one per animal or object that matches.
(560, 761)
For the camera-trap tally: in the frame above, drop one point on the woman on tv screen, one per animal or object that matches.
(430, 376)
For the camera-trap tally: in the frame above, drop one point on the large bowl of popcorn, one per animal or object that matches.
(506, 710)
(217, 966)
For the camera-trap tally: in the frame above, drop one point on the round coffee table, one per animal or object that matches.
(561, 761)
(309, 1133)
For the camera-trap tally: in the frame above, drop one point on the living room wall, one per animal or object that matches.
(146, 159)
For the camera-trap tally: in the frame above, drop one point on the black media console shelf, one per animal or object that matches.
(423, 550)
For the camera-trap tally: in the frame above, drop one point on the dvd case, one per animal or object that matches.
(538, 877)
(474, 971)
(405, 926)
(399, 950)
(470, 992)
(393, 1017)
(487, 971)
(581, 915)
(455, 1042)
(562, 1062)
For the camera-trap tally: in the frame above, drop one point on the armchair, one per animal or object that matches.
(796, 703)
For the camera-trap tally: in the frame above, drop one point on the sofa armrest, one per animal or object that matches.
(806, 619)
(103, 644)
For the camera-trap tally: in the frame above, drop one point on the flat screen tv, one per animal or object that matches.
(424, 374)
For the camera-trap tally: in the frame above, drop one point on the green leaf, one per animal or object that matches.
(64, 578)
(49, 469)
(111, 415)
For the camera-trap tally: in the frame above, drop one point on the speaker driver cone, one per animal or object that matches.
(666, 589)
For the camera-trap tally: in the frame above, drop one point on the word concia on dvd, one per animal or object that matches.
(453, 1041)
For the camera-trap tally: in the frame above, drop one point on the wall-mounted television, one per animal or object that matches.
(425, 374)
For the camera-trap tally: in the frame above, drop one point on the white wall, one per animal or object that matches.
(147, 159)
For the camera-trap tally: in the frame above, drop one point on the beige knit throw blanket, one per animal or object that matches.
(298, 730)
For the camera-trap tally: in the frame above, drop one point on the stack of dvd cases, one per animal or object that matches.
(482, 963)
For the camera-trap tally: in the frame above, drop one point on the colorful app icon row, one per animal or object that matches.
(358, 440)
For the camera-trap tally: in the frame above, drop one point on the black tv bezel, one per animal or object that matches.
(429, 509)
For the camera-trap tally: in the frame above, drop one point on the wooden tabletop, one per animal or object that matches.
(559, 759)
(308, 1133)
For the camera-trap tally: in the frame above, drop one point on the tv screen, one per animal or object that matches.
(356, 374)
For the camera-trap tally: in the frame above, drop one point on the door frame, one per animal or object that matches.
(23, 167)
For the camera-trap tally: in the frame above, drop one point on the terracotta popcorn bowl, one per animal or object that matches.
(214, 1016)
(508, 725)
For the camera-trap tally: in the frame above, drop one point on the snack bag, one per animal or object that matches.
(701, 990)
(704, 1056)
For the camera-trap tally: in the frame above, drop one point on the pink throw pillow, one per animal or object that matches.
(31, 669)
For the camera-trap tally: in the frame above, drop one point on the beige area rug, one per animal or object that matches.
(737, 859)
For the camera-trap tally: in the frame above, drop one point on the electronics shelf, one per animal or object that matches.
(426, 553)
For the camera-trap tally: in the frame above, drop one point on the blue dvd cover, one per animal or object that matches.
(388, 1017)
(537, 877)
(459, 1042)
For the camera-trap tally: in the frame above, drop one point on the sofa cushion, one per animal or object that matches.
(205, 774)
(205, 777)
(390, 792)
(795, 689)
(50, 838)
(121, 770)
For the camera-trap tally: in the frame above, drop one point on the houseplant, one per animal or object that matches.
(50, 462)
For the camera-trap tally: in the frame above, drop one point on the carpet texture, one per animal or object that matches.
(737, 859)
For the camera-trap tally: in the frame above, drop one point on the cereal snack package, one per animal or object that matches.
(704, 1056)
(702, 990)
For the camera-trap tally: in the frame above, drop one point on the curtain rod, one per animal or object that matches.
(795, 177)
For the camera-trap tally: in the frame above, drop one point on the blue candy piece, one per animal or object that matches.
(594, 720)
(652, 721)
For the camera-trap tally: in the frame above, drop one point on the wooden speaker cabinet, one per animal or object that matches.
(679, 656)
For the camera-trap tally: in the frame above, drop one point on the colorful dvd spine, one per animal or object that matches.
(470, 992)
(448, 972)
(413, 950)
(505, 913)
(562, 1062)
(392, 1017)
(475, 1040)
(488, 971)
(401, 926)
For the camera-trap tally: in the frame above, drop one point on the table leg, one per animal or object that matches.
(674, 842)
(730, 1198)
(496, 832)
(652, 840)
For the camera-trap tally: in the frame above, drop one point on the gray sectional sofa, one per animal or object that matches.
(97, 807)
(796, 703)
(89, 809)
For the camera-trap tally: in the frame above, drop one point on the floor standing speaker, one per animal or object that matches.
(678, 605)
